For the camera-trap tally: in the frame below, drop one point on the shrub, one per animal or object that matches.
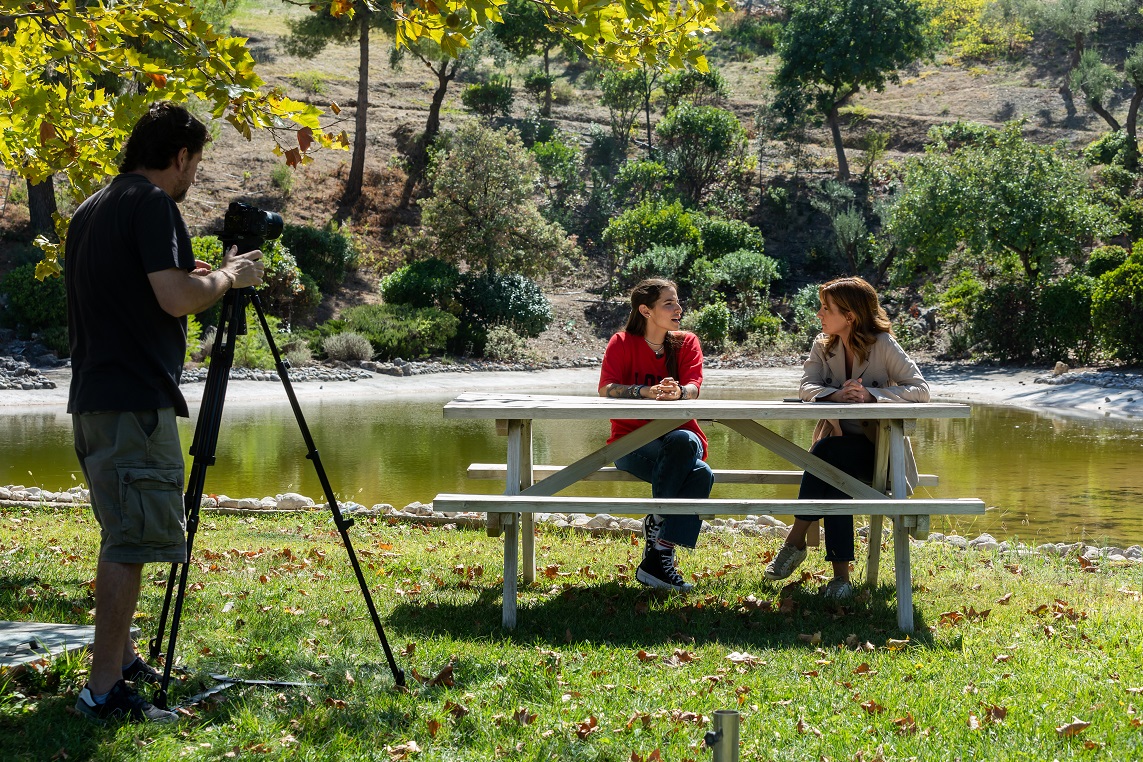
(562, 177)
(505, 299)
(622, 93)
(721, 237)
(957, 305)
(489, 99)
(395, 330)
(701, 281)
(298, 354)
(648, 224)
(502, 343)
(1104, 259)
(427, 283)
(250, 348)
(711, 324)
(32, 306)
(537, 84)
(1064, 317)
(347, 347)
(1108, 148)
(695, 87)
(1117, 310)
(657, 262)
(702, 146)
(194, 339)
(282, 178)
(748, 274)
(747, 36)
(804, 312)
(603, 148)
(325, 254)
(640, 180)
(1004, 321)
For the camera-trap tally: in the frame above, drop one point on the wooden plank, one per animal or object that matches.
(606, 454)
(612, 474)
(784, 448)
(535, 406)
(880, 483)
(527, 521)
(716, 506)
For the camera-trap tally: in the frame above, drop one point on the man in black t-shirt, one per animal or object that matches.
(131, 281)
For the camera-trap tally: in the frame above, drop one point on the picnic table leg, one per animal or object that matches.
(880, 483)
(517, 465)
(511, 524)
(527, 520)
(900, 531)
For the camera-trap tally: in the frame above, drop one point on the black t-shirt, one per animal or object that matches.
(126, 352)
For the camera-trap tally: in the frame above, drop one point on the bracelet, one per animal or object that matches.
(229, 278)
(682, 392)
(636, 391)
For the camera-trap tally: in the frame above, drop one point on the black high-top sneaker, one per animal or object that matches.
(658, 570)
(651, 528)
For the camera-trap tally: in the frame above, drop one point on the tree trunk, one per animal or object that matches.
(835, 131)
(546, 111)
(357, 164)
(418, 162)
(1131, 127)
(648, 86)
(1098, 108)
(41, 207)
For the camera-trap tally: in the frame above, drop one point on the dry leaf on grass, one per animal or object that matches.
(974, 722)
(434, 726)
(402, 751)
(523, 717)
(456, 710)
(587, 727)
(1075, 727)
(644, 656)
(1004, 599)
(654, 756)
(803, 728)
(813, 640)
(743, 658)
(872, 707)
(906, 725)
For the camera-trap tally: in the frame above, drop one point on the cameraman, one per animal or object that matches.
(131, 281)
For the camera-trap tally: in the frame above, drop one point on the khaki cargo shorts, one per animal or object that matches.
(133, 463)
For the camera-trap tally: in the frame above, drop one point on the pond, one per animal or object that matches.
(1044, 477)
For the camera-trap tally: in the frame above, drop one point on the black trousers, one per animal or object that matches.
(854, 454)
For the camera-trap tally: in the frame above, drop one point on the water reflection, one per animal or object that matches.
(1044, 477)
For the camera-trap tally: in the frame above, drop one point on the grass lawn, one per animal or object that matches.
(1012, 657)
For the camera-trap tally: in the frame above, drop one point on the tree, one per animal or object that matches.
(1096, 80)
(74, 79)
(701, 145)
(482, 211)
(999, 195)
(525, 32)
(309, 36)
(820, 64)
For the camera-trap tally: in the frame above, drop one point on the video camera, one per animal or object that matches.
(248, 227)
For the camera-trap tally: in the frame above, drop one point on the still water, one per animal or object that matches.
(1044, 478)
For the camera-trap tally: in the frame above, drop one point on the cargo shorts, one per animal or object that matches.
(133, 464)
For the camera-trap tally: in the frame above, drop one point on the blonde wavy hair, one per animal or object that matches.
(854, 297)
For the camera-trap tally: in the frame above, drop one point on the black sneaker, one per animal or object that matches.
(658, 570)
(140, 672)
(123, 703)
(651, 528)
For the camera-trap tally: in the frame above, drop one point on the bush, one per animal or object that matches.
(427, 283)
(747, 37)
(1117, 310)
(804, 311)
(284, 292)
(347, 347)
(1109, 148)
(695, 87)
(1004, 321)
(489, 99)
(721, 237)
(537, 84)
(32, 306)
(603, 148)
(250, 348)
(1064, 316)
(702, 146)
(710, 323)
(395, 330)
(657, 262)
(505, 299)
(1104, 259)
(640, 180)
(748, 274)
(504, 344)
(648, 224)
(325, 254)
(957, 305)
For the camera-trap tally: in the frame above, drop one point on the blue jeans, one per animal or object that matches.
(674, 466)
(853, 454)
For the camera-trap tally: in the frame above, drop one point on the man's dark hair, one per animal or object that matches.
(159, 135)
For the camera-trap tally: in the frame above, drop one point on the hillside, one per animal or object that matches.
(932, 92)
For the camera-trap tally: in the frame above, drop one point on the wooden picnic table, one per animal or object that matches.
(531, 489)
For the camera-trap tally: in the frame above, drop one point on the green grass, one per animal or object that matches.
(275, 598)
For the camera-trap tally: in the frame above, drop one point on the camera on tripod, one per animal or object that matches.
(248, 227)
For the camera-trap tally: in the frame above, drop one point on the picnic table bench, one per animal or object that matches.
(531, 488)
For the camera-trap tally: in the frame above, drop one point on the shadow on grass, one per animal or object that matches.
(625, 615)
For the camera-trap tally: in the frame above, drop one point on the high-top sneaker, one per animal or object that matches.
(658, 570)
(652, 525)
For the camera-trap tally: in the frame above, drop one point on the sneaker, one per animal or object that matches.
(123, 703)
(140, 672)
(788, 559)
(658, 570)
(651, 528)
(837, 590)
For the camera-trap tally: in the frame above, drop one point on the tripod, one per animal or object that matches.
(232, 323)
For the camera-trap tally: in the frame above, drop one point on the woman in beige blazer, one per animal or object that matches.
(854, 359)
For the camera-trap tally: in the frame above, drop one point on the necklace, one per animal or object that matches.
(653, 345)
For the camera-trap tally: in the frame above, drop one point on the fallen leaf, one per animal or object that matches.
(906, 725)
(335, 703)
(996, 713)
(1001, 658)
(736, 657)
(803, 728)
(587, 727)
(1075, 727)
(1004, 599)
(872, 707)
(456, 710)
(974, 722)
(434, 725)
(645, 656)
(813, 640)
(893, 644)
(402, 751)
(524, 717)
(864, 669)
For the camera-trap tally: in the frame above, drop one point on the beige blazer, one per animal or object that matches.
(888, 373)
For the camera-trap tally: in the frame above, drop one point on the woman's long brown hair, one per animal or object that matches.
(857, 298)
(647, 292)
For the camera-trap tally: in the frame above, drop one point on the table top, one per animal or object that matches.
(539, 406)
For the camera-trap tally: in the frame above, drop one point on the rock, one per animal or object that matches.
(292, 501)
(957, 541)
(1048, 549)
(5, 494)
(382, 508)
(984, 539)
(249, 504)
(1117, 557)
(936, 537)
(65, 497)
(596, 522)
(1060, 369)
(1135, 553)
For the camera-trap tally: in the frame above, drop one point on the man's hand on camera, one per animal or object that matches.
(246, 268)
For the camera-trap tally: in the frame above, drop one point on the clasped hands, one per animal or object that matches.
(667, 389)
(852, 391)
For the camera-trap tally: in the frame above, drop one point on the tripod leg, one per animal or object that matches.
(339, 520)
(203, 451)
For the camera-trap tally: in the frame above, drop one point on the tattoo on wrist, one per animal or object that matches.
(633, 391)
(682, 392)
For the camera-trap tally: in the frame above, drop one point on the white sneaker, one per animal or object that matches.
(788, 559)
